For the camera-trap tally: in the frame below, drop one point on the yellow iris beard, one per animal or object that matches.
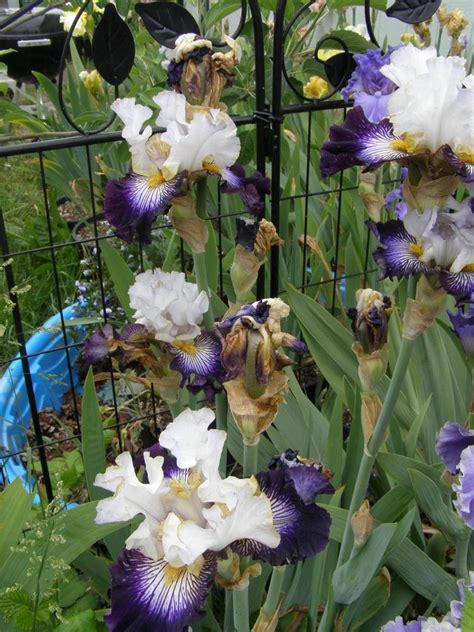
(468, 268)
(466, 156)
(404, 144)
(155, 181)
(416, 249)
(185, 346)
(210, 166)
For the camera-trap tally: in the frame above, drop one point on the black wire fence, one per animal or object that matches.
(267, 122)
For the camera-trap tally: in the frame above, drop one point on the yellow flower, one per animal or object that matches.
(68, 18)
(316, 88)
(91, 81)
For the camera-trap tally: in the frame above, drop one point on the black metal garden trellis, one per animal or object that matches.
(268, 117)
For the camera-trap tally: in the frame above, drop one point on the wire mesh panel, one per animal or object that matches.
(68, 289)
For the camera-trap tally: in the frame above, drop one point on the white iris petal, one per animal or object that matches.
(431, 108)
(168, 305)
(134, 115)
(190, 441)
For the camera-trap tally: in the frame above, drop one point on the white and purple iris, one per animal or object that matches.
(450, 623)
(197, 140)
(190, 514)
(455, 445)
(431, 242)
(429, 114)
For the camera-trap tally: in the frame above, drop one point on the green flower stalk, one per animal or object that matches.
(379, 433)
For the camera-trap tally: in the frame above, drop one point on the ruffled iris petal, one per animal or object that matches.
(464, 502)
(452, 440)
(359, 142)
(303, 528)
(150, 595)
(398, 254)
(132, 204)
(457, 283)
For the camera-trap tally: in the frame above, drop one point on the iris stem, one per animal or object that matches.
(199, 258)
(250, 459)
(229, 611)
(460, 559)
(221, 423)
(368, 458)
(274, 590)
(241, 610)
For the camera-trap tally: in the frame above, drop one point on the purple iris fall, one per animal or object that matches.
(368, 87)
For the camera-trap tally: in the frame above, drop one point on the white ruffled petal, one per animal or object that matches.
(406, 63)
(131, 497)
(210, 138)
(167, 305)
(190, 441)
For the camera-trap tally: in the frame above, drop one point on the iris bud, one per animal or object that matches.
(362, 525)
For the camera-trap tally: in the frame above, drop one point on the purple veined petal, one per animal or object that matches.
(399, 254)
(458, 284)
(304, 529)
(233, 179)
(208, 386)
(96, 346)
(464, 502)
(463, 326)
(199, 357)
(452, 440)
(149, 595)
(132, 204)
(465, 170)
(359, 142)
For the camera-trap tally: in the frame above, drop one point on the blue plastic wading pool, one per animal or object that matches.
(50, 377)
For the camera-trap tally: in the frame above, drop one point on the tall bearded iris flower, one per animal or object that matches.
(197, 141)
(432, 242)
(429, 118)
(190, 514)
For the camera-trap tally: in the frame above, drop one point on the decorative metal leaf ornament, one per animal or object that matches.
(166, 21)
(113, 48)
(413, 11)
(339, 69)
